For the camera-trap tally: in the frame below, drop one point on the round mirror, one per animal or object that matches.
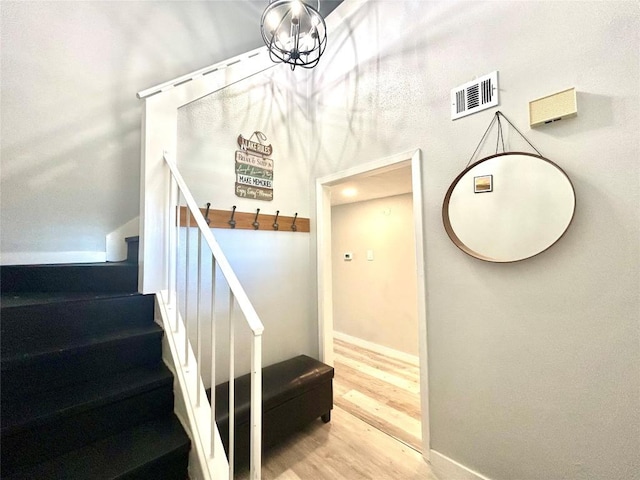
(508, 207)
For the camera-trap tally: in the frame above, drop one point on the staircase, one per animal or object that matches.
(84, 392)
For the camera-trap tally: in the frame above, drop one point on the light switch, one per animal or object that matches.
(370, 255)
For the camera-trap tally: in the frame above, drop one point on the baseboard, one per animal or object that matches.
(44, 258)
(446, 469)
(389, 352)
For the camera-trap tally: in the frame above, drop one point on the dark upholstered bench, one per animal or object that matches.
(294, 393)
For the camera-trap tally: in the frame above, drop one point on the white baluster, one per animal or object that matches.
(213, 357)
(177, 252)
(171, 251)
(186, 291)
(198, 326)
(232, 410)
(256, 408)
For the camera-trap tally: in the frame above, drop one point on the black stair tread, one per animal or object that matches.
(33, 327)
(67, 265)
(67, 347)
(76, 277)
(21, 299)
(34, 410)
(114, 457)
(84, 389)
(55, 266)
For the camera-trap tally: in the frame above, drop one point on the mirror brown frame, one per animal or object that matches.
(480, 186)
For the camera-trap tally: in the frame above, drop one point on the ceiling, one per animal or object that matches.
(374, 185)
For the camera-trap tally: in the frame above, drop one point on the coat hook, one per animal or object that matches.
(275, 222)
(206, 214)
(255, 223)
(232, 222)
(293, 225)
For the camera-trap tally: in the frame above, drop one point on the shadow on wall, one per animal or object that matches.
(595, 111)
(341, 89)
(357, 98)
(82, 177)
(71, 130)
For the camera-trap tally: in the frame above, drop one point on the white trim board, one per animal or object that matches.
(160, 137)
(447, 468)
(375, 347)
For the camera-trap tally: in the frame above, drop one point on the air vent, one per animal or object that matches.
(475, 96)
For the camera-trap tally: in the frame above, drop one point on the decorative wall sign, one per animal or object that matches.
(257, 147)
(254, 172)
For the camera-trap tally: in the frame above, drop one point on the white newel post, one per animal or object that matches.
(159, 133)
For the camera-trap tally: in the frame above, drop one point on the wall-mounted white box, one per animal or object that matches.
(553, 107)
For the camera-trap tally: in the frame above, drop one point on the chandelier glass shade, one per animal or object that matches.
(294, 32)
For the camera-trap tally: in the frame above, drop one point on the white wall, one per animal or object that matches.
(375, 300)
(70, 139)
(533, 366)
(70, 134)
(277, 288)
(273, 267)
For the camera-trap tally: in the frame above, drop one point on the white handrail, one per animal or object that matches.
(238, 296)
(234, 284)
(162, 249)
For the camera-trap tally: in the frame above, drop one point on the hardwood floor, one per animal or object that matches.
(380, 390)
(345, 448)
(354, 444)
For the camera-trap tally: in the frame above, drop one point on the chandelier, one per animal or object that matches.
(294, 32)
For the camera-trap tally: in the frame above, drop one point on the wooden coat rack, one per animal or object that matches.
(247, 220)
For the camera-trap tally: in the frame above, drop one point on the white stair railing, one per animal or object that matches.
(162, 190)
(190, 354)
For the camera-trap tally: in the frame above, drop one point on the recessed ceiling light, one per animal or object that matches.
(349, 192)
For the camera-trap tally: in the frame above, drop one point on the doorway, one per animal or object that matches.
(324, 185)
